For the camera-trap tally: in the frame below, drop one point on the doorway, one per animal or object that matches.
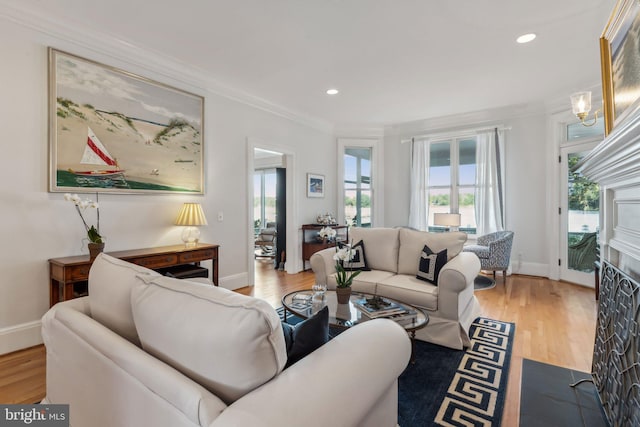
(579, 217)
(269, 206)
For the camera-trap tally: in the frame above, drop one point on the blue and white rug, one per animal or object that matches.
(446, 387)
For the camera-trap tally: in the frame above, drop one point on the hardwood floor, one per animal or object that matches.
(22, 376)
(555, 324)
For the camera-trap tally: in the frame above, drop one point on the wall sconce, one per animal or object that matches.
(581, 105)
(190, 216)
(447, 220)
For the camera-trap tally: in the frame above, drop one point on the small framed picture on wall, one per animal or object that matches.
(315, 185)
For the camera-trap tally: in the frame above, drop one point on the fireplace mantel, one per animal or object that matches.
(617, 158)
(615, 165)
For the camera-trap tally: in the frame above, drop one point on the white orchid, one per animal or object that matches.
(344, 277)
(344, 254)
(327, 232)
(93, 233)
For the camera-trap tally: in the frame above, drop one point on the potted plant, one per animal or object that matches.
(344, 275)
(96, 242)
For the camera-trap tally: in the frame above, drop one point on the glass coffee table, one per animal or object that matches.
(304, 304)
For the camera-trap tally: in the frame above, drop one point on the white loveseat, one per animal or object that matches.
(147, 350)
(393, 255)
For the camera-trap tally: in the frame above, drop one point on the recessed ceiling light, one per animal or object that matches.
(526, 38)
(332, 91)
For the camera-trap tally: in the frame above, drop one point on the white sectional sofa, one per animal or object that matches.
(393, 255)
(147, 350)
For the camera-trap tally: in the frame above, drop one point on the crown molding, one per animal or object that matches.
(357, 131)
(82, 40)
(470, 119)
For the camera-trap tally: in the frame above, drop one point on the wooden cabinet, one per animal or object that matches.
(66, 273)
(311, 244)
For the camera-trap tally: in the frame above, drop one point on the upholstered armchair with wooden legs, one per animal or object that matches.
(494, 251)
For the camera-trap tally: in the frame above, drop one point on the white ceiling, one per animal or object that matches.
(392, 60)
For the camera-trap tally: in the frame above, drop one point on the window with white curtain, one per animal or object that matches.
(458, 173)
(451, 181)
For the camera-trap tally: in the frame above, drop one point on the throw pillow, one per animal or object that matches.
(359, 260)
(307, 336)
(430, 265)
(227, 342)
(110, 283)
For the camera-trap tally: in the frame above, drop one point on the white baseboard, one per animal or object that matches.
(235, 281)
(20, 336)
(531, 269)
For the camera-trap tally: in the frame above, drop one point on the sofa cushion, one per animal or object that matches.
(412, 242)
(382, 246)
(307, 336)
(359, 260)
(408, 289)
(110, 283)
(227, 342)
(430, 265)
(364, 282)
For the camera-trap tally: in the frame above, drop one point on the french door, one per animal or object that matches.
(579, 217)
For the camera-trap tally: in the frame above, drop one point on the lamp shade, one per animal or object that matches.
(446, 219)
(191, 214)
(581, 103)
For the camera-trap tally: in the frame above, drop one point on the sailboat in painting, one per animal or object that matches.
(95, 153)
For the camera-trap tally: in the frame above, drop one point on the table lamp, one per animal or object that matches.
(190, 216)
(451, 220)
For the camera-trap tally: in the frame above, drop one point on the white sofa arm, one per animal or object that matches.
(460, 272)
(323, 265)
(351, 380)
(455, 289)
(102, 376)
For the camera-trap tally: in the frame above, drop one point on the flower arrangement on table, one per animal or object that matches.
(327, 233)
(93, 232)
(344, 276)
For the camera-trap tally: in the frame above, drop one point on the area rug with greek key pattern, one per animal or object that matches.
(446, 387)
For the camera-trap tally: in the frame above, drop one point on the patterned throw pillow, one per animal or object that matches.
(359, 260)
(430, 265)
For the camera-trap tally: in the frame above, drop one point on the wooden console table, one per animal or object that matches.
(310, 245)
(67, 271)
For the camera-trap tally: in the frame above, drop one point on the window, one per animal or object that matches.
(264, 198)
(452, 181)
(357, 186)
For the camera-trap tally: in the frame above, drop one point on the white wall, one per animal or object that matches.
(36, 225)
(526, 177)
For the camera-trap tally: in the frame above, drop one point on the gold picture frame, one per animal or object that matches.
(620, 63)
(114, 131)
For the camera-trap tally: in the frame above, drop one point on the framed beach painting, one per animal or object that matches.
(114, 131)
(315, 185)
(620, 58)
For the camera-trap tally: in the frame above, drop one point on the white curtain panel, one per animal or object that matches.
(489, 202)
(419, 206)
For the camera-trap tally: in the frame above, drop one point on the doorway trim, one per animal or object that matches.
(292, 216)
